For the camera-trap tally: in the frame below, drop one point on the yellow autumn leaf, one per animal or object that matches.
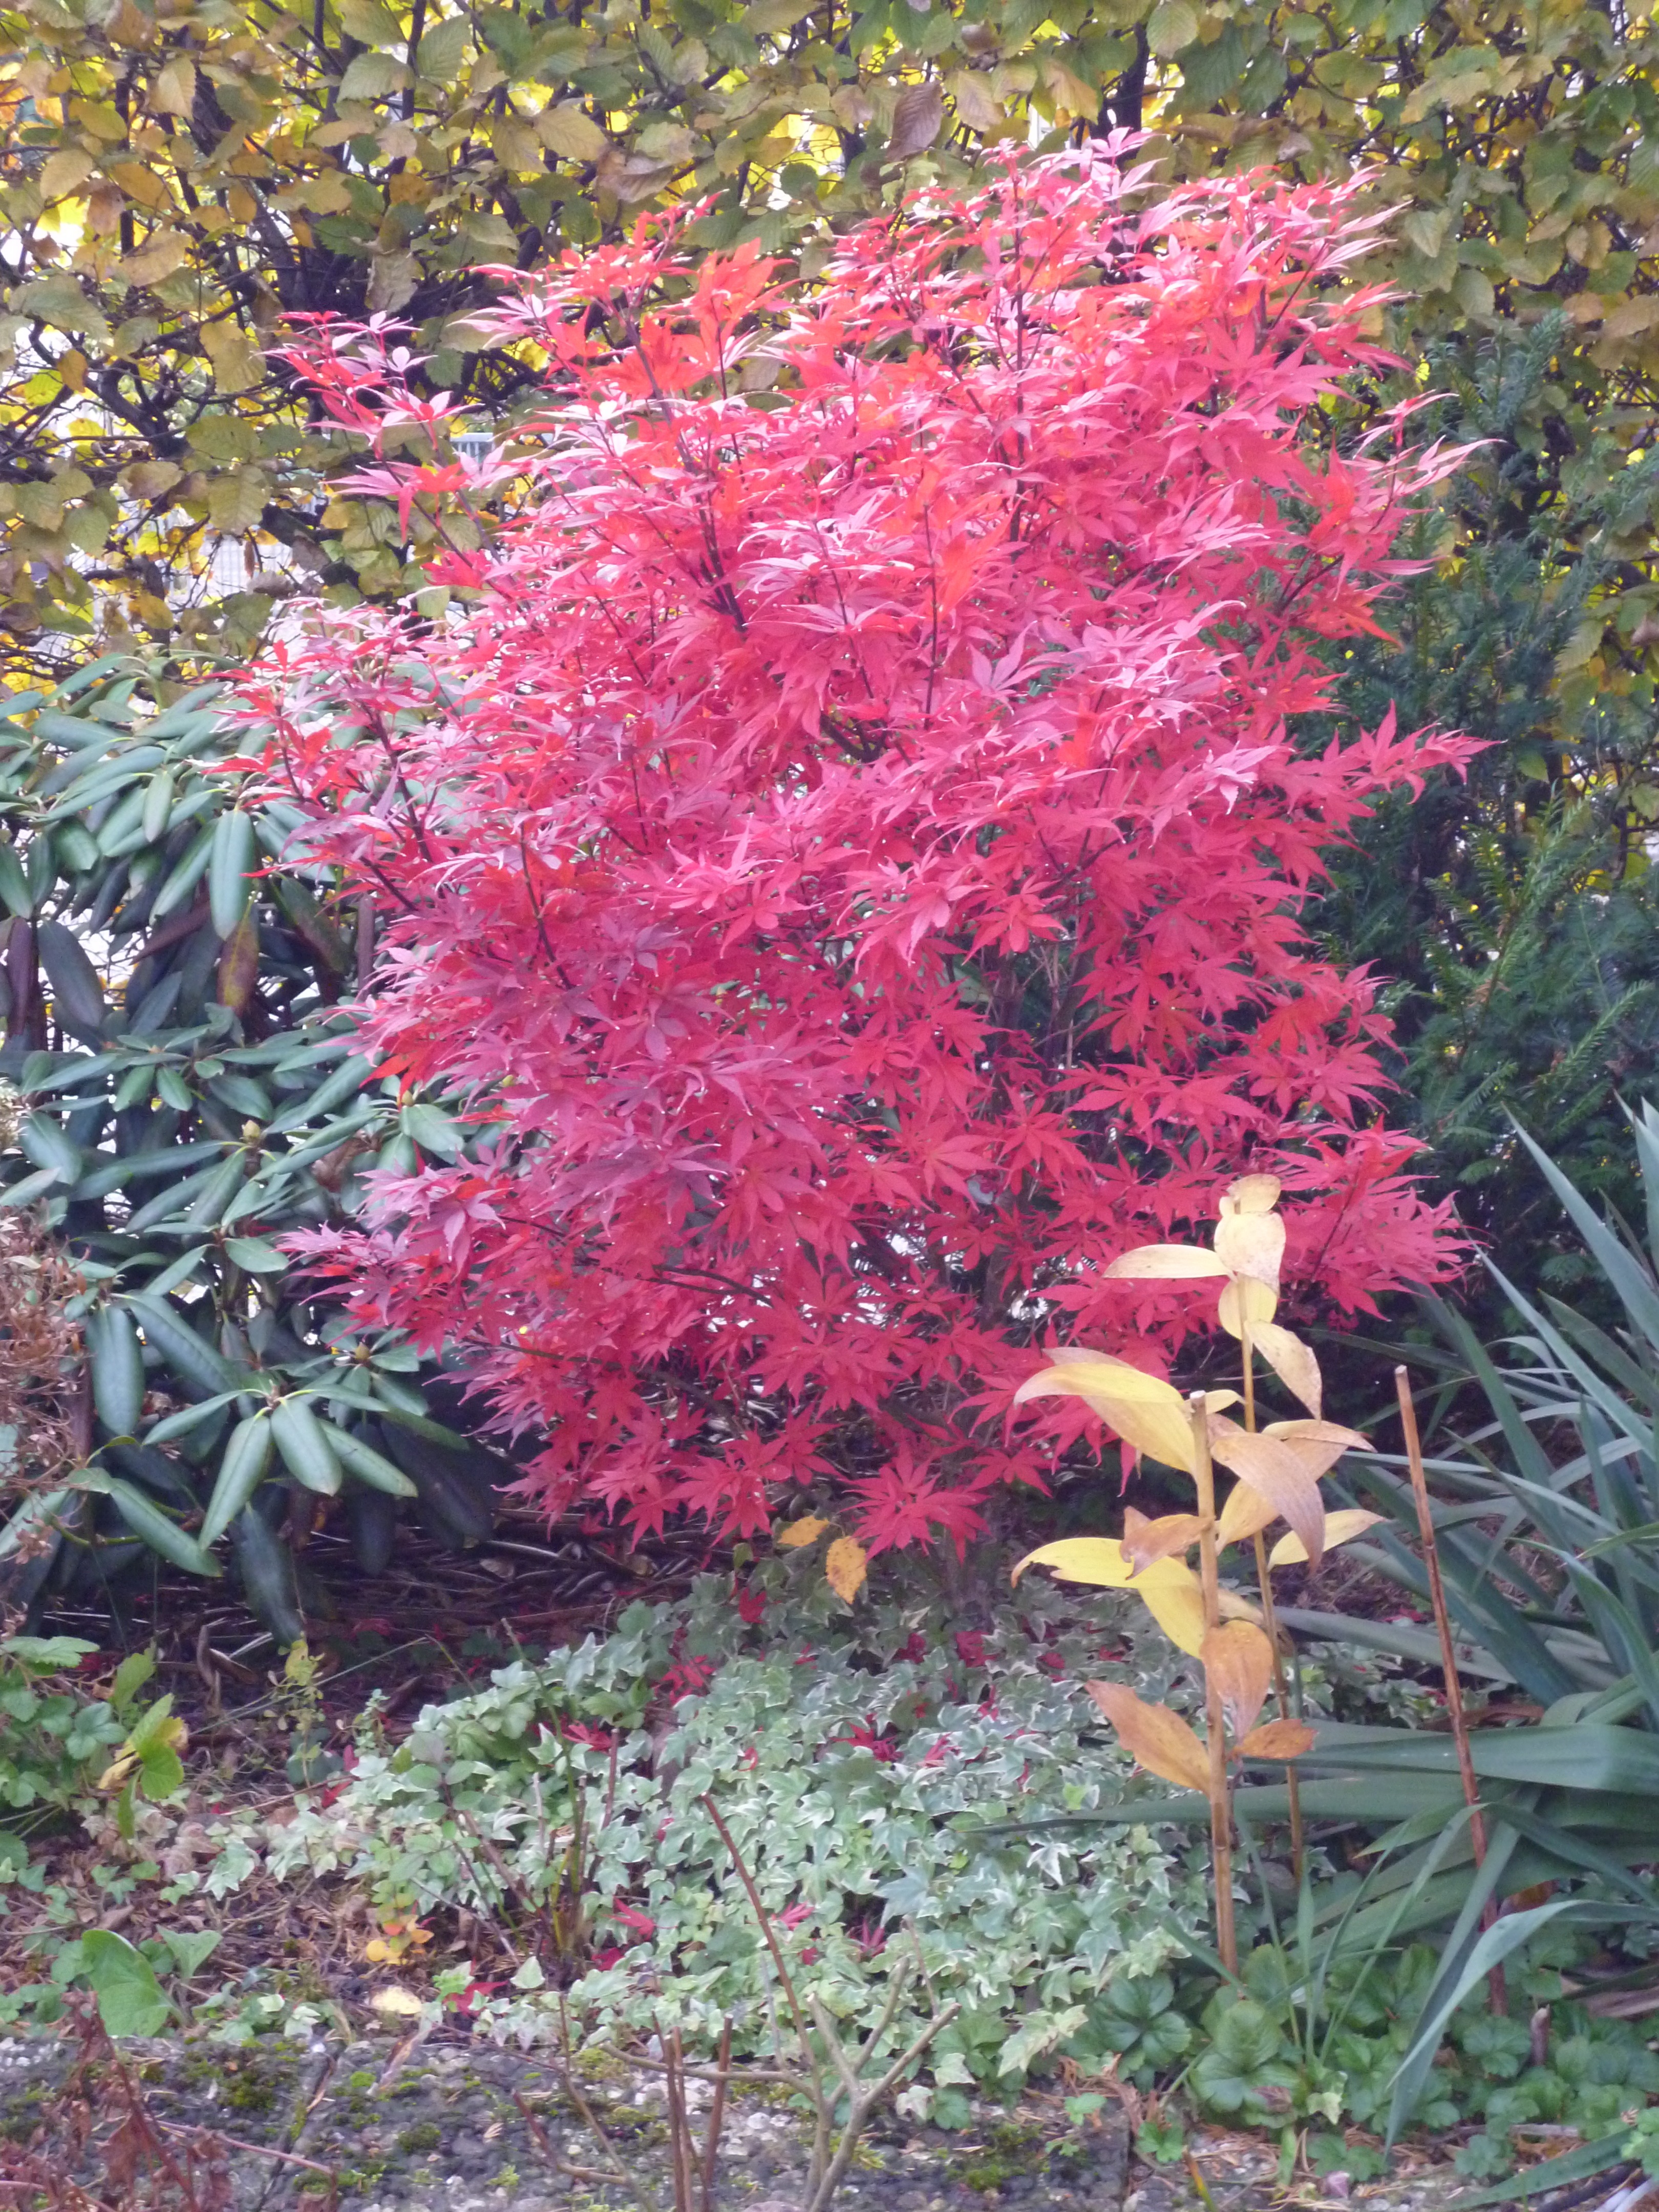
(794, 1534)
(514, 143)
(1339, 1529)
(64, 172)
(1245, 1514)
(1238, 1660)
(1150, 1263)
(1251, 1193)
(1155, 1738)
(1251, 1244)
(1244, 1299)
(975, 102)
(1098, 1559)
(400, 2004)
(174, 89)
(1630, 316)
(1170, 1537)
(771, 17)
(1168, 1588)
(151, 479)
(1280, 1738)
(163, 251)
(1318, 1444)
(1147, 1412)
(237, 368)
(1278, 1472)
(1292, 1361)
(1233, 1606)
(846, 1563)
(1171, 1593)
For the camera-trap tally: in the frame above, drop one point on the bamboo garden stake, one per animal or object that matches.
(1269, 1616)
(1459, 1727)
(1221, 1814)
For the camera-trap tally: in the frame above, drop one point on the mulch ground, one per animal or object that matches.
(390, 2126)
(368, 2120)
(396, 2125)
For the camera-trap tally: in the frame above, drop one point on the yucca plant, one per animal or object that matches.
(191, 1090)
(1547, 1532)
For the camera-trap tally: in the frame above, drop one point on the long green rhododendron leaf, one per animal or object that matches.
(846, 835)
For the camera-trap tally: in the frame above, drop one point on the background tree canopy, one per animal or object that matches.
(176, 182)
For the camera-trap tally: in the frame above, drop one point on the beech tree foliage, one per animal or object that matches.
(850, 846)
(176, 179)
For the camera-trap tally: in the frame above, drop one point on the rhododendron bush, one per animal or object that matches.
(846, 838)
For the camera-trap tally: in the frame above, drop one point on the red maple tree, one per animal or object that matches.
(847, 838)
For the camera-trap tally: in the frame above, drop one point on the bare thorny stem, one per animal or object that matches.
(621, 2171)
(809, 2058)
(716, 2117)
(862, 2097)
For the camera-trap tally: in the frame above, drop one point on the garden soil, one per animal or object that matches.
(391, 2126)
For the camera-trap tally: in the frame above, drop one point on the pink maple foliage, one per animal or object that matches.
(847, 839)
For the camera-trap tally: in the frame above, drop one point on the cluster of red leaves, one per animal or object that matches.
(849, 845)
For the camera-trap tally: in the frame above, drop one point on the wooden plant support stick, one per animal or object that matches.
(1269, 1617)
(678, 2122)
(717, 2116)
(1221, 1824)
(1459, 1727)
